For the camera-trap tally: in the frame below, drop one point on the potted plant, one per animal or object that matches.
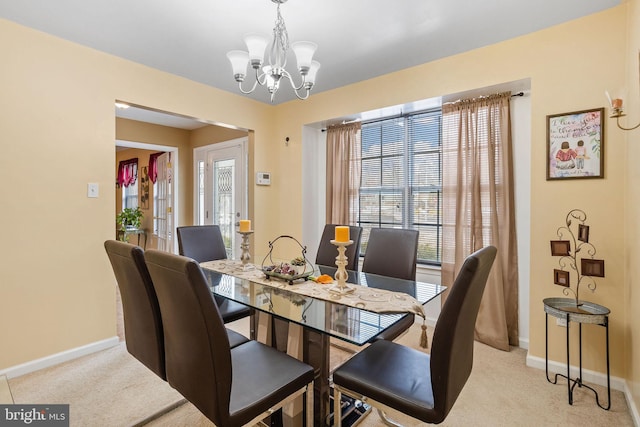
(129, 218)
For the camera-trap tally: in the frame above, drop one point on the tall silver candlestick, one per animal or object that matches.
(245, 257)
(341, 276)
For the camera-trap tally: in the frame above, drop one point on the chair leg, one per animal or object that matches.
(337, 410)
(309, 395)
(386, 420)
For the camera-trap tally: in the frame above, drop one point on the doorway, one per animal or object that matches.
(161, 210)
(220, 174)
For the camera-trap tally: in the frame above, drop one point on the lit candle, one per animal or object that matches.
(616, 103)
(245, 225)
(342, 233)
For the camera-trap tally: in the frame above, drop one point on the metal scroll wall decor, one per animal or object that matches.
(577, 262)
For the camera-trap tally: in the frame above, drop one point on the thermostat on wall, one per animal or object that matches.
(263, 178)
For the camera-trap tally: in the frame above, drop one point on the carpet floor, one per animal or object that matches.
(111, 388)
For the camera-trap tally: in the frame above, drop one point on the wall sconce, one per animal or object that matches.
(617, 111)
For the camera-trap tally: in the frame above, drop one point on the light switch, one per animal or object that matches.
(92, 189)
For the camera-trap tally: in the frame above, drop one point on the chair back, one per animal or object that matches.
(453, 337)
(142, 320)
(198, 355)
(392, 252)
(201, 242)
(327, 252)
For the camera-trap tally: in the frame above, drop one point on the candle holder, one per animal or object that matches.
(341, 287)
(245, 257)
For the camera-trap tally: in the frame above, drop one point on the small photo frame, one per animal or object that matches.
(561, 277)
(575, 145)
(560, 247)
(592, 267)
(583, 233)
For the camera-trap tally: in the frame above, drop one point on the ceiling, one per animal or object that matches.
(357, 39)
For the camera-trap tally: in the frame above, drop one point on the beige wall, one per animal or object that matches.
(58, 130)
(570, 67)
(632, 208)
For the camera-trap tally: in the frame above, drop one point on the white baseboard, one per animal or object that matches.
(588, 376)
(55, 359)
(523, 343)
(633, 409)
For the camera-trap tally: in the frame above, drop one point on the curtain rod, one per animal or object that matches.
(521, 93)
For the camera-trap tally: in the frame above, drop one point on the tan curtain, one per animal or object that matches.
(343, 173)
(478, 207)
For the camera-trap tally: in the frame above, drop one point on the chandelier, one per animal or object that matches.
(272, 73)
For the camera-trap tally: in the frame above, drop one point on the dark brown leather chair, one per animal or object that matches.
(393, 252)
(327, 252)
(417, 384)
(201, 242)
(231, 387)
(141, 313)
(204, 243)
(142, 323)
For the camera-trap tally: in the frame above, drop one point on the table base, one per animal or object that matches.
(353, 411)
(573, 382)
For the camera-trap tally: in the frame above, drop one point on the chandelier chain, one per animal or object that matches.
(280, 34)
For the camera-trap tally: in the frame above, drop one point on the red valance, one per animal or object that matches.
(127, 172)
(153, 166)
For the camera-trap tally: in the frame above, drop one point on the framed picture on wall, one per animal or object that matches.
(575, 145)
(144, 188)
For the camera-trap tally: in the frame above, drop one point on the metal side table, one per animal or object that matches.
(585, 312)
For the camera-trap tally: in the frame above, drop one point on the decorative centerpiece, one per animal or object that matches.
(576, 254)
(298, 269)
(341, 241)
(245, 231)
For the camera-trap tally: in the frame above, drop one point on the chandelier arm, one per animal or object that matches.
(302, 97)
(246, 92)
(296, 89)
(624, 128)
(261, 79)
(286, 74)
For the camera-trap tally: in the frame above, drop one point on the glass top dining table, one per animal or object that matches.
(303, 325)
(354, 325)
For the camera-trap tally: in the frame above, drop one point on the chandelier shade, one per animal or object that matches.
(239, 61)
(304, 55)
(271, 72)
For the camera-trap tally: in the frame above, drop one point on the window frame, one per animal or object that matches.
(405, 187)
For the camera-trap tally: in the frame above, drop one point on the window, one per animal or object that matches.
(401, 179)
(127, 180)
(130, 196)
